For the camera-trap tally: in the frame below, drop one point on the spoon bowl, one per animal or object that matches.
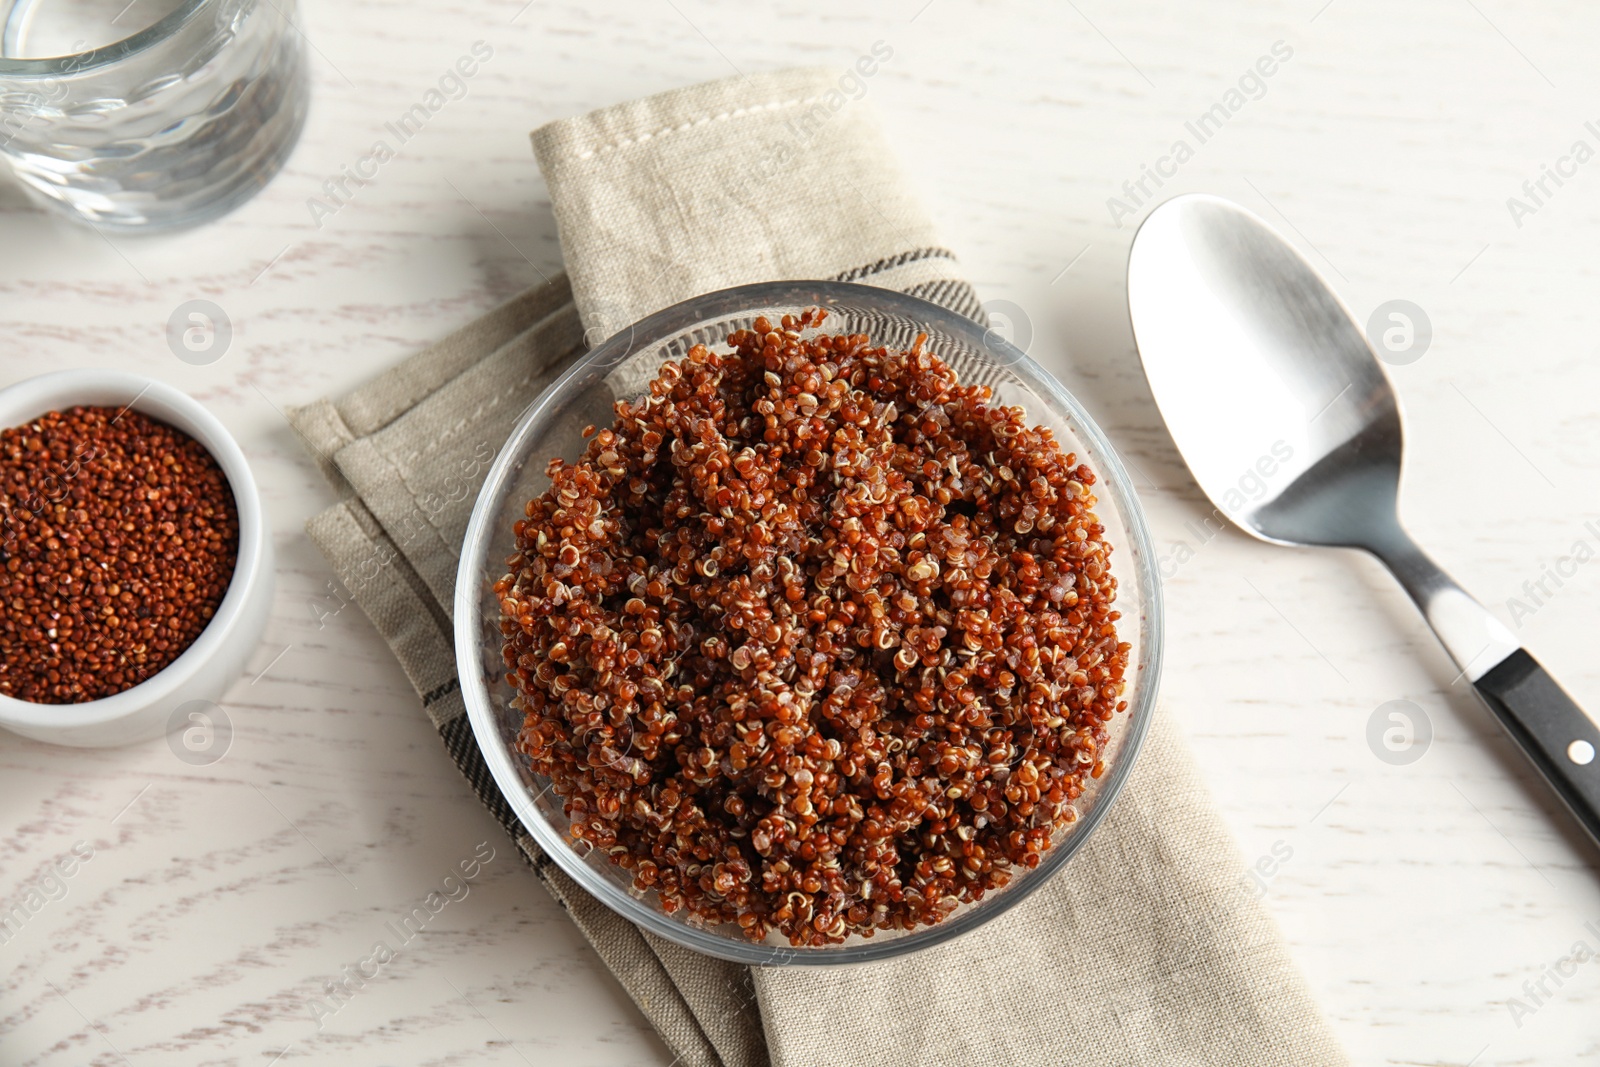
(1293, 379)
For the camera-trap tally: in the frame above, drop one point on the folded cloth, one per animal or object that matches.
(1150, 947)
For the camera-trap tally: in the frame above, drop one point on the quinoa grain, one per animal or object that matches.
(118, 538)
(815, 639)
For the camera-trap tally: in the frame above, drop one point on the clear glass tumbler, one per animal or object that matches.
(169, 125)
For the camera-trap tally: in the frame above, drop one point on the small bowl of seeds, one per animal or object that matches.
(135, 562)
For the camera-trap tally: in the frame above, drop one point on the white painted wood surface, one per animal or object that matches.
(1419, 898)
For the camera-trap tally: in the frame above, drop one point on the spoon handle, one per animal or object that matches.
(1556, 734)
(1552, 731)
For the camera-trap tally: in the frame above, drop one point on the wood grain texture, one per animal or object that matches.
(1419, 898)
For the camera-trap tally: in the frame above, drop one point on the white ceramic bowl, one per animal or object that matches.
(205, 669)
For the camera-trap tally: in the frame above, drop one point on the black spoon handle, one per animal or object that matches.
(1557, 736)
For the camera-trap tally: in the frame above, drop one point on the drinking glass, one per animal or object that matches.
(150, 113)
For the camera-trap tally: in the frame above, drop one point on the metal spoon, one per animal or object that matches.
(1291, 427)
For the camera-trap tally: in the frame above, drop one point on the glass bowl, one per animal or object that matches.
(619, 369)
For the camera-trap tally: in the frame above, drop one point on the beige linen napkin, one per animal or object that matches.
(1149, 948)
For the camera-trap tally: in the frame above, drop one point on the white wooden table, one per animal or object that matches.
(1419, 898)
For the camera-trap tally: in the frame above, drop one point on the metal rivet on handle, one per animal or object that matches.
(1581, 753)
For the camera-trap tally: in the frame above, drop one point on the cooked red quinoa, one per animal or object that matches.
(118, 537)
(815, 639)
